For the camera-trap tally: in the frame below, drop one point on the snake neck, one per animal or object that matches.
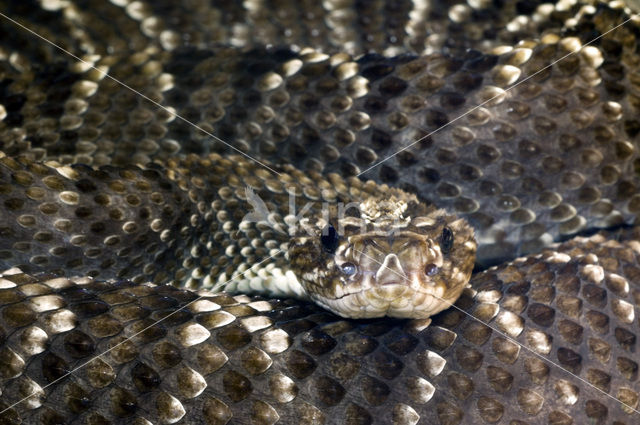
(227, 223)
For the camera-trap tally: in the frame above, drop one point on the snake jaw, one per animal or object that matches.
(391, 272)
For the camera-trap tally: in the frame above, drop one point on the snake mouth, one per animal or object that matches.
(391, 299)
(407, 297)
(392, 283)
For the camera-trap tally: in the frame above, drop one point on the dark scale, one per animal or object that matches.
(182, 61)
(297, 152)
(226, 131)
(408, 158)
(430, 175)
(446, 156)
(532, 185)
(53, 367)
(177, 97)
(451, 101)
(375, 72)
(57, 81)
(330, 239)
(365, 156)
(632, 128)
(237, 114)
(392, 87)
(446, 240)
(570, 66)
(309, 102)
(375, 105)
(465, 81)
(388, 174)
(310, 137)
(469, 172)
(612, 48)
(12, 103)
(243, 82)
(615, 90)
(480, 62)
(380, 140)
(435, 119)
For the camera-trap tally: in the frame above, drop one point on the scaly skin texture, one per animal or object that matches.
(228, 223)
(251, 360)
(555, 155)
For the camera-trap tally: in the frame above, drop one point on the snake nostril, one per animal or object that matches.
(431, 269)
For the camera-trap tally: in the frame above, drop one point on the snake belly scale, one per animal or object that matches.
(106, 198)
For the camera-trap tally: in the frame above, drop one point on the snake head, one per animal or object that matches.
(396, 258)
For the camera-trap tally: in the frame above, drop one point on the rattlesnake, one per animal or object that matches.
(527, 149)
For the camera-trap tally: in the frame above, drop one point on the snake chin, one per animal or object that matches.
(393, 300)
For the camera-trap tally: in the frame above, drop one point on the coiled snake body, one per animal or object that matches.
(527, 130)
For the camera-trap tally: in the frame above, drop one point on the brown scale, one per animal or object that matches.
(246, 359)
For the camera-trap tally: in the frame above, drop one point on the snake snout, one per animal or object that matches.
(391, 272)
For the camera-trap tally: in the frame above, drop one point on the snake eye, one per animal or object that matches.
(329, 239)
(431, 269)
(446, 240)
(349, 269)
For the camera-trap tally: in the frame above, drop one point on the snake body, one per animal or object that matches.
(99, 182)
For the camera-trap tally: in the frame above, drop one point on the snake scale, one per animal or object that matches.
(526, 115)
